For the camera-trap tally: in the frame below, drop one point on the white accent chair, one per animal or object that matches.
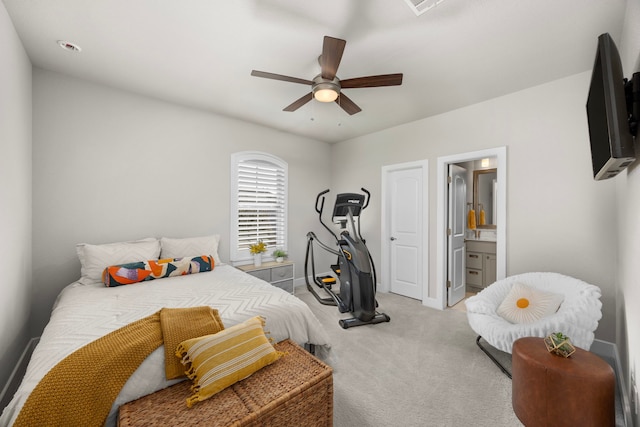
(577, 317)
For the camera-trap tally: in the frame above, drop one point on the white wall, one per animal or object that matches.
(174, 181)
(558, 218)
(628, 290)
(15, 195)
(112, 166)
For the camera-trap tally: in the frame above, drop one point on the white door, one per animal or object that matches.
(405, 191)
(456, 229)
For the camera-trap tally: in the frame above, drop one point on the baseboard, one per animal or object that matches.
(432, 303)
(609, 352)
(299, 282)
(18, 373)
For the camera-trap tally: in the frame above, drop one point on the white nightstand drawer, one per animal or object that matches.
(276, 273)
(281, 273)
(261, 274)
(287, 285)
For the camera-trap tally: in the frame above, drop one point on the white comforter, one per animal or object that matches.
(84, 313)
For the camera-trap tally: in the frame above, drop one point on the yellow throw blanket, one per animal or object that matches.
(80, 390)
(181, 324)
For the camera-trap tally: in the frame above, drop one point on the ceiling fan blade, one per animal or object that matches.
(299, 102)
(332, 50)
(273, 76)
(372, 81)
(347, 104)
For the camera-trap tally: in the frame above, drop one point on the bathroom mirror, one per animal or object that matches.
(484, 190)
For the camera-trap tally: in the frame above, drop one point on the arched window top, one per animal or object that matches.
(257, 156)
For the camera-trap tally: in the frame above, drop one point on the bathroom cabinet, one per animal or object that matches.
(480, 264)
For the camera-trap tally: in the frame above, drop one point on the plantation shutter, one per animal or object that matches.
(261, 207)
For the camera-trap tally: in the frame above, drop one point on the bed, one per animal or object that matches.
(85, 311)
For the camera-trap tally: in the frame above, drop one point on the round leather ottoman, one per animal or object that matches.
(550, 390)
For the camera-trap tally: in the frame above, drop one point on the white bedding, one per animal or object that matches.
(83, 313)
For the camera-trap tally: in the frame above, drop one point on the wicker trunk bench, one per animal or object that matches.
(295, 390)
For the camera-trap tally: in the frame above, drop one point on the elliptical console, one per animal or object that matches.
(354, 271)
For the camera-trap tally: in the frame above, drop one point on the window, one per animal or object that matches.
(258, 203)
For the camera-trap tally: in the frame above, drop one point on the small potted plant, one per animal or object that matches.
(559, 344)
(257, 249)
(279, 255)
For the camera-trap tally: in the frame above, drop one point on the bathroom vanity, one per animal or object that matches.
(480, 264)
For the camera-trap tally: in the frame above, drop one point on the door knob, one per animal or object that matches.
(392, 238)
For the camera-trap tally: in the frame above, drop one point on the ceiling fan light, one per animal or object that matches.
(325, 95)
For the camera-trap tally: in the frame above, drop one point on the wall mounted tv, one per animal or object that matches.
(610, 112)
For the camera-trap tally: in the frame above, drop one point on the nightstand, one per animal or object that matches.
(279, 274)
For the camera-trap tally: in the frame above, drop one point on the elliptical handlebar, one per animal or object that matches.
(312, 236)
(366, 202)
(322, 193)
(320, 209)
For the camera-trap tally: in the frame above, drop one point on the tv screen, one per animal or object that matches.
(611, 139)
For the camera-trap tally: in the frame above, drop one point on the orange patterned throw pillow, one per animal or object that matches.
(135, 272)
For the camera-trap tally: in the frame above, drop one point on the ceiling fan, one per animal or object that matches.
(326, 87)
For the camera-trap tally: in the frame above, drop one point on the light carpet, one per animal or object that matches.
(421, 369)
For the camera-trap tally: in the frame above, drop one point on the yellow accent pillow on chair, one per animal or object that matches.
(214, 362)
(525, 304)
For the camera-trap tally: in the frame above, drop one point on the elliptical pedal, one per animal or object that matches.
(327, 281)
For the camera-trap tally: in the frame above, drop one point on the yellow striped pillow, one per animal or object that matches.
(214, 362)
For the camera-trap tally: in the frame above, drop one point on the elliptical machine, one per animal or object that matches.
(354, 270)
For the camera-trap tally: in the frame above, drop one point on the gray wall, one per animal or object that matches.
(15, 195)
(558, 218)
(628, 186)
(112, 166)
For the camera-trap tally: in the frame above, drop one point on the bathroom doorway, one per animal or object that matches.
(481, 237)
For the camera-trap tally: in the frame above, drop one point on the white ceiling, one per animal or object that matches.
(200, 52)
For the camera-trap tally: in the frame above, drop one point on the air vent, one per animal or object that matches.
(71, 47)
(421, 6)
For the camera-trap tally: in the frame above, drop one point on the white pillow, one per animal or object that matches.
(95, 258)
(190, 247)
(525, 304)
